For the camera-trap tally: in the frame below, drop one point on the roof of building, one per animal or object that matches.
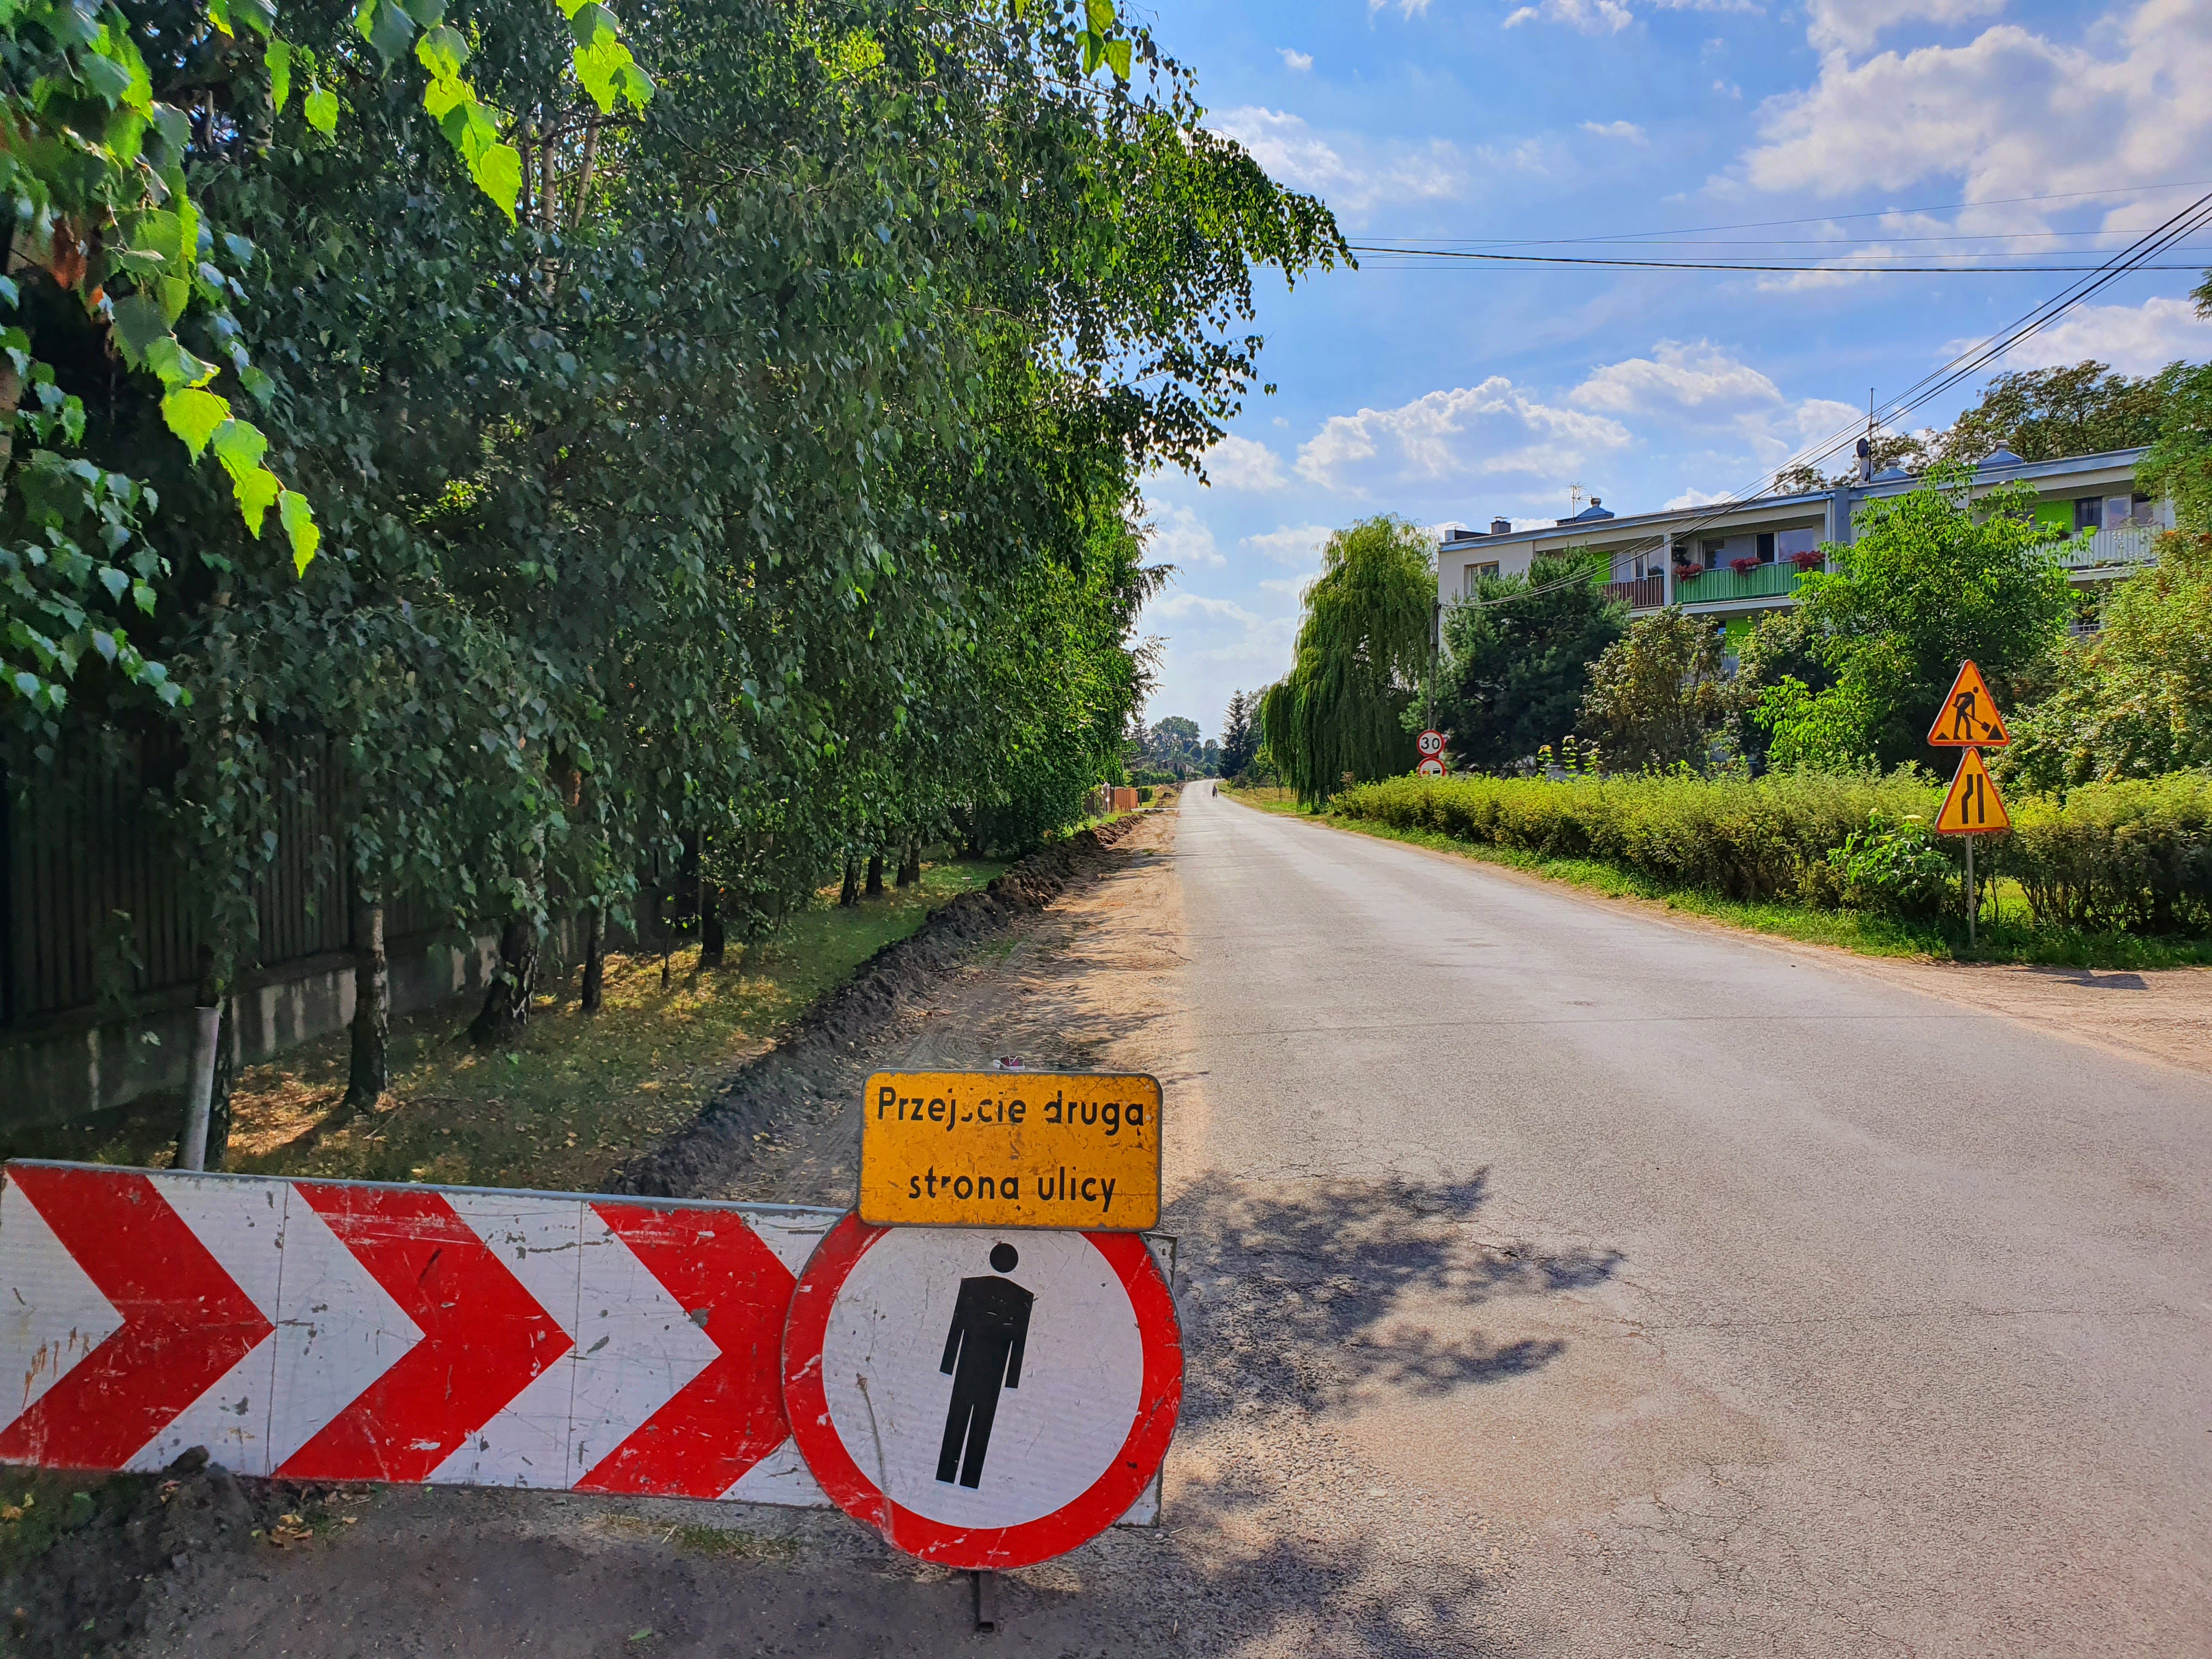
(2001, 467)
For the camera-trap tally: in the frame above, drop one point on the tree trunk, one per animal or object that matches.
(370, 1072)
(226, 1075)
(505, 1011)
(875, 875)
(712, 935)
(850, 893)
(909, 870)
(595, 960)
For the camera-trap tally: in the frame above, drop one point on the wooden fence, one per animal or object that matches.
(92, 914)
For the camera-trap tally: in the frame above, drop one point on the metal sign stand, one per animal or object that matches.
(1971, 906)
(987, 1599)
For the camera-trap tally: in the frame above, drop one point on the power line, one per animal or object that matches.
(1559, 260)
(1823, 218)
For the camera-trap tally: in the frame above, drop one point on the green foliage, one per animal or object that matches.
(1657, 697)
(1174, 748)
(1363, 646)
(1933, 578)
(2041, 414)
(2179, 465)
(1240, 735)
(1895, 866)
(2136, 855)
(1743, 838)
(2134, 699)
(1517, 656)
(756, 500)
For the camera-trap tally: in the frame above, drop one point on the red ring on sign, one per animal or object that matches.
(1082, 1518)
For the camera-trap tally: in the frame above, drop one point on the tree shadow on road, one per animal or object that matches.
(1306, 1292)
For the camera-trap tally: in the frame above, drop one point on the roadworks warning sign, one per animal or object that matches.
(1969, 717)
(1011, 1149)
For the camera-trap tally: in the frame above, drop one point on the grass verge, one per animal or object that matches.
(2009, 936)
(576, 1098)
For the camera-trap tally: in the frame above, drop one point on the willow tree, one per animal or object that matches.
(1362, 650)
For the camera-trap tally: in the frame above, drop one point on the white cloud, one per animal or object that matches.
(1406, 7)
(1611, 16)
(2134, 339)
(1676, 379)
(1352, 173)
(1296, 62)
(1694, 497)
(1243, 464)
(1181, 539)
(1291, 543)
(1854, 25)
(1179, 604)
(1292, 587)
(1626, 130)
(1468, 431)
(2011, 113)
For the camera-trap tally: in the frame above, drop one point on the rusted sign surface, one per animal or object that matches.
(337, 1330)
(1011, 1149)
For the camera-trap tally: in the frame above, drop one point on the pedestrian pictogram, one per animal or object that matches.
(983, 1402)
(982, 1355)
(1973, 807)
(1011, 1149)
(1969, 717)
(1431, 768)
(350, 1331)
(1430, 743)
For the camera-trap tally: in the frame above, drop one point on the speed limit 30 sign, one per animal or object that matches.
(984, 1402)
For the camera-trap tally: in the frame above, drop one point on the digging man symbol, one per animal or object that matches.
(982, 1354)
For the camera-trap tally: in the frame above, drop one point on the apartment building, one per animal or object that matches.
(1736, 561)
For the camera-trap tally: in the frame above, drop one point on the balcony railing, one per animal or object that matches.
(1645, 594)
(1766, 581)
(2133, 543)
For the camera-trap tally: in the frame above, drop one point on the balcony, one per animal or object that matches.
(2133, 543)
(1645, 594)
(1766, 581)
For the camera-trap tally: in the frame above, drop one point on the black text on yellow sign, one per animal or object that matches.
(1011, 1149)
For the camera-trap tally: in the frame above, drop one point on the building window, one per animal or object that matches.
(1712, 552)
(1476, 574)
(1766, 547)
(2139, 511)
(2088, 512)
(1790, 543)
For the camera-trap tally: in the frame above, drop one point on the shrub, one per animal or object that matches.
(1897, 866)
(1745, 838)
(2136, 854)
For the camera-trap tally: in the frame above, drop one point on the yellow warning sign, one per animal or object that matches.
(1969, 717)
(1973, 807)
(1075, 1150)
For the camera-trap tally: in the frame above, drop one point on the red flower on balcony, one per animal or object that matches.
(1744, 566)
(1684, 572)
(1811, 559)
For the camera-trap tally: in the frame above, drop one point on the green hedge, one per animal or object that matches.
(2134, 855)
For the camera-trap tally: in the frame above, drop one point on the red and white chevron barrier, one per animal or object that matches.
(351, 1331)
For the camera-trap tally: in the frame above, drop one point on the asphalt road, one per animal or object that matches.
(1564, 1280)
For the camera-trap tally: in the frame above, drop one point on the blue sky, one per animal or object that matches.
(1996, 129)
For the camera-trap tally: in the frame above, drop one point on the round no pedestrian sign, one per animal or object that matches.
(983, 1401)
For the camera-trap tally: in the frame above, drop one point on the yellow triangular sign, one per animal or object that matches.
(1973, 807)
(1969, 715)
